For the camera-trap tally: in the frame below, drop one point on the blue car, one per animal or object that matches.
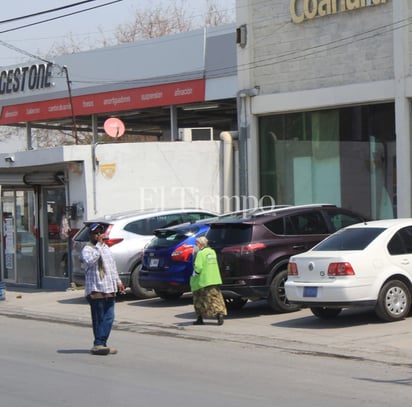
(167, 262)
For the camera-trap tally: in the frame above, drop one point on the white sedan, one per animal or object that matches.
(367, 264)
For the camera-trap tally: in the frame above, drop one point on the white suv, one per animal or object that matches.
(126, 234)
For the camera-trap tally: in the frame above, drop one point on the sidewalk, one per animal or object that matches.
(354, 334)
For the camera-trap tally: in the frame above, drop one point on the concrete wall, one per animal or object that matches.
(345, 48)
(147, 175)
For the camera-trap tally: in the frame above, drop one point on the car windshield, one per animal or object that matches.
(221, 235)
(170, 237)
(349, 239)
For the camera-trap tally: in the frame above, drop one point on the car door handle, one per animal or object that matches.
(405, 261)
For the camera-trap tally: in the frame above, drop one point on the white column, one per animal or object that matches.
(402, 108)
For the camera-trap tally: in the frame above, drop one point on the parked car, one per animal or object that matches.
(253, 250)
(167, 262)
(127, 233)
(368, 264)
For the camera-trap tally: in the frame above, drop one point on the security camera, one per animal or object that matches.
(9, 159)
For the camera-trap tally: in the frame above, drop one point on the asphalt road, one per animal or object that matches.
(47, 364)
(358, 335)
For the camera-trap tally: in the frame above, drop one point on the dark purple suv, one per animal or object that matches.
(253, 250)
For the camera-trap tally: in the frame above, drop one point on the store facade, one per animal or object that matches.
(329, 118)
(178, 92)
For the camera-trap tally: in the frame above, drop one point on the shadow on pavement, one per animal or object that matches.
(72, 351)
(161, 303)
(78, 300)
(348, 318)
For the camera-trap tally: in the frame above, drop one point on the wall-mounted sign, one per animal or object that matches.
(177, 93)
(301, 10)
(21, 79)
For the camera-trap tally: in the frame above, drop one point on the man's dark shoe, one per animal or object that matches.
(199, 321)
(100, 350)
(220, 319)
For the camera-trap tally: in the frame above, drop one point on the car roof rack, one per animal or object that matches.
(249, 212)
(267, 210)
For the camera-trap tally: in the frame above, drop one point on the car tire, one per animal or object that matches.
(168, 296)
(394, 301)
(326, 313)
(137, 290)
(235, 303)
(277, 295)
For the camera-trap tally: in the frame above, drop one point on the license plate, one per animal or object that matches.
(310, 291)
(154, 262)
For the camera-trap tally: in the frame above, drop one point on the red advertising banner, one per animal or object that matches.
(129, 99)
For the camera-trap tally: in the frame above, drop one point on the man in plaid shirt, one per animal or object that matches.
(102, 282)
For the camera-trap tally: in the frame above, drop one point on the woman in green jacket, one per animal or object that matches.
(207, 298)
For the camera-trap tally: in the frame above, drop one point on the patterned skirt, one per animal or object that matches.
(208, 302)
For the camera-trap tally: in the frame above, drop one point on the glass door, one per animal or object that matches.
(19, 238)
(55, 239)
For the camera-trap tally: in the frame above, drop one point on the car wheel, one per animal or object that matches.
(235, 303)
(137, 290)
(394, 301)
(167, 295)
(326, 313)
(277, 294)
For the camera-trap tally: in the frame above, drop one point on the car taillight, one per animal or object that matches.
(292, 269)
(244, 248)
(340, 269)
(112, 241)
(182, 252)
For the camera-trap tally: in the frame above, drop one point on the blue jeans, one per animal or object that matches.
(102, 310)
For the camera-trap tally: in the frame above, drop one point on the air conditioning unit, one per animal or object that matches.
(195, 133)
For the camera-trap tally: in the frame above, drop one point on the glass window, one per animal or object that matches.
(140, 227)
(349, 239)
(168, 238)
(331, 156)
(229, 234)
(340, 220)
(276, 226)
(401, 242)
(194, 216)
(310, 223)
(165, 221)
(395, 245)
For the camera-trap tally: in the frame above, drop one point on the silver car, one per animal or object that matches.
(127, 234)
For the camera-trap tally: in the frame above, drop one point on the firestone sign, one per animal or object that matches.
(176, 93)
(21, 79)
(301, 10)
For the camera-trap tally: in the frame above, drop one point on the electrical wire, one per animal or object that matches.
(45, 12)
(59, 17)
(258, 63)
(294, 55)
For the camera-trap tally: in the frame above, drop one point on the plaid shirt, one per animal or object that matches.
(90, 257)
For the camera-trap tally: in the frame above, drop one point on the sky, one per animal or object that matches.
(39, 39)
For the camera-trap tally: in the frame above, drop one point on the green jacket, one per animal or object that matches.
(206, 270)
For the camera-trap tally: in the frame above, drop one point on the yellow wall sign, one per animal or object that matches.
(108, 170)
(301, 10)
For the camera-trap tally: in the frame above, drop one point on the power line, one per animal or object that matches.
(270, 60)
(31, 55)
(280, 58)
(45, 12)
(59, 17)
